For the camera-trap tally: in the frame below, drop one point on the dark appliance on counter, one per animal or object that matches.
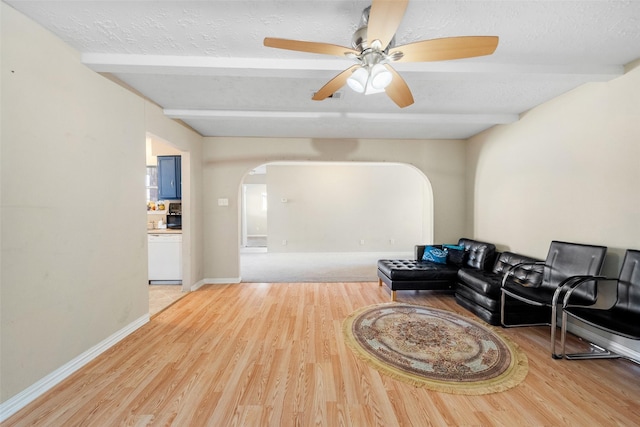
(174, 216)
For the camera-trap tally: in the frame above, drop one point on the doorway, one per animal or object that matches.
(330, 221)
(254, 216)
(166, 240)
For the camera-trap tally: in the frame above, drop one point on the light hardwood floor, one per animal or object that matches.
(256, 354)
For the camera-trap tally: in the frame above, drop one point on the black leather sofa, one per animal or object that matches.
(476, 280)
(479, 291)
(417, 274)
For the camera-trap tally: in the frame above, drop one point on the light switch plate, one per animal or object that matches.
(223, 202)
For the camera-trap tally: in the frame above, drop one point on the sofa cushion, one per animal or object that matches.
(489, 316)
(484, 282)
(529, 274)
(455, 255)
(480, 255)
(472, 295)
(489, 283)
(434, 254)
(458, 247)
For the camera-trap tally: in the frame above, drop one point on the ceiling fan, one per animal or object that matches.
(374, 49)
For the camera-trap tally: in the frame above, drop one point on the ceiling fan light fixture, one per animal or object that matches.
(374, 48)
(380, 76)
(358, 80)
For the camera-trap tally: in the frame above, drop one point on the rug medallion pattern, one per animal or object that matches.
(435, 348)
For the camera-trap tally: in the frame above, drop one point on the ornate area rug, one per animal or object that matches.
(434, 348)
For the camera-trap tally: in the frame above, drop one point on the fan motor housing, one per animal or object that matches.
(359, 40)
(360, 43)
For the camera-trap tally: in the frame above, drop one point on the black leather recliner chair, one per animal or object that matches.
(565, 264)
(622, 317)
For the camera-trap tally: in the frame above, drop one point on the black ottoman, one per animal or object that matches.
(406, 274)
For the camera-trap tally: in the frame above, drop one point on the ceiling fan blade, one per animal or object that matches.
(384, 19)
(447, 48)
(312, 47)
(398, 90)
(334, 84)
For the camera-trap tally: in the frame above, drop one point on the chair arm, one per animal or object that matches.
(510, 271)
(576, 281)
(568, 285)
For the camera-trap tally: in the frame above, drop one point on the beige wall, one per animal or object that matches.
(348, 207)
(254, 209)
(567, 170)
(227, 160)
(73, 218)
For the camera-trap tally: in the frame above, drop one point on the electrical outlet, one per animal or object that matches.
(392, 241)
(284, 242)
(362, 242)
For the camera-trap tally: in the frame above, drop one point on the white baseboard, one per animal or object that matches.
(198, 285)
(221, 281)
(28, 395)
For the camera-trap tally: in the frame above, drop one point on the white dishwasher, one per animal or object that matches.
(165, 258)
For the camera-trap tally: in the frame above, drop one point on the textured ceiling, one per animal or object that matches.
(205, 64)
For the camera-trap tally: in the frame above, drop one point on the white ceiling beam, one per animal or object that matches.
(399, 117)
(269, 67)
(209, 66)
(241, 114)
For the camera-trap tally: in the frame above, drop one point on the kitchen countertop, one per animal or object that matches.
(163, 231)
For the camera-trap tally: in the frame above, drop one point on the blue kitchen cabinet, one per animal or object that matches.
(169, 181)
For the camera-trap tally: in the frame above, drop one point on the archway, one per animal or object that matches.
(330, 221)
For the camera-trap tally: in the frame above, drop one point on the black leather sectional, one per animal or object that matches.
(475, 279)
(416, 274)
